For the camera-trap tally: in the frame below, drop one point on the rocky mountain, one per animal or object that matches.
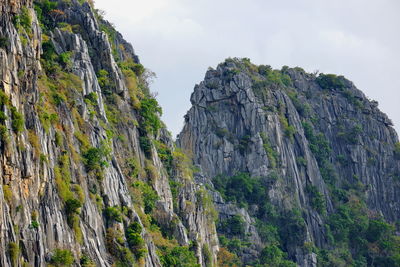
(303, 167)
(272, 168)
(89, 174)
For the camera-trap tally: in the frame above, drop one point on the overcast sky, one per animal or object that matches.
(180, 39)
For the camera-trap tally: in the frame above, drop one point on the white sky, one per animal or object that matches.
(180, 39)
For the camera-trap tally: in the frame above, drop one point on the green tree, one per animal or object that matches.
(273, 256)
(179, 257)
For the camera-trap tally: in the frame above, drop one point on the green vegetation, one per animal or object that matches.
(43, 10)
(65, 59)
(116, 246)
(138, 69)
(204, 200)
(356, 101)
(57, 86)
(23, 20)
(86, 261)
(7, 192)
(62, 258)
(49, 58)
(96, 158)
(92, 98)
(133, 166)
(227, 259)
(71, 195)
(72, 207)
(63, 178)
(227, 77)
(179, 257)
(151, 171)
(350, 134)
(104, 81)
(234, 245)
(145, 145)
(274, 76)
(113, 214)
(34, 220)
(289, 130)
(244, 143)
(233, 226)
(302, 108)
(13, 251)
(149, 196)
(268, 231)
(133, 73)
(330, 81)
(4, 100)
(35, 143)
(17, 122)
(165, 155)
(4, 42)
(317, 199)
(34, 225)
(208, 258)
(273, 256)
(366, 239)
(135, 240)
(175, 187)
(111, 33)
(241, 188)
(272, 79)
(3, 133)
(149, 113)
(3, 117)
(183, 163)
(292, 228)
(286, 228)
(272, 154)
(301, 162)
(321, 149)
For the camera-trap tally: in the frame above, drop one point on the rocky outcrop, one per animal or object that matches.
(90, 176)
(305, 136)
(72, 156)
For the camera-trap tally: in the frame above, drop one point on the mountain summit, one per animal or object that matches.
(303, 167)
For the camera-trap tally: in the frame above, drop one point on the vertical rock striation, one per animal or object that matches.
(82, 179)
(314, 142)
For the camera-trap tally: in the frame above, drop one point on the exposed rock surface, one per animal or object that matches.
(90, 176)
(53, 81)
(251, 119)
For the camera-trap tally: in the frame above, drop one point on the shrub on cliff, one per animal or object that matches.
(62, 258)
(17, 122)
(330, 81)
(180, 257)
(150, 112)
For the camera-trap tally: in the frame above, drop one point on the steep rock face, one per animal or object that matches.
(362, 139)
(79, 168)
(306, 138)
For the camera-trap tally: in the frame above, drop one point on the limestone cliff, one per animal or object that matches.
(89, 174)
(321, 153)
(272, 168)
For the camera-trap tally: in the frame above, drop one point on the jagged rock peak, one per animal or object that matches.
(290, 157)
